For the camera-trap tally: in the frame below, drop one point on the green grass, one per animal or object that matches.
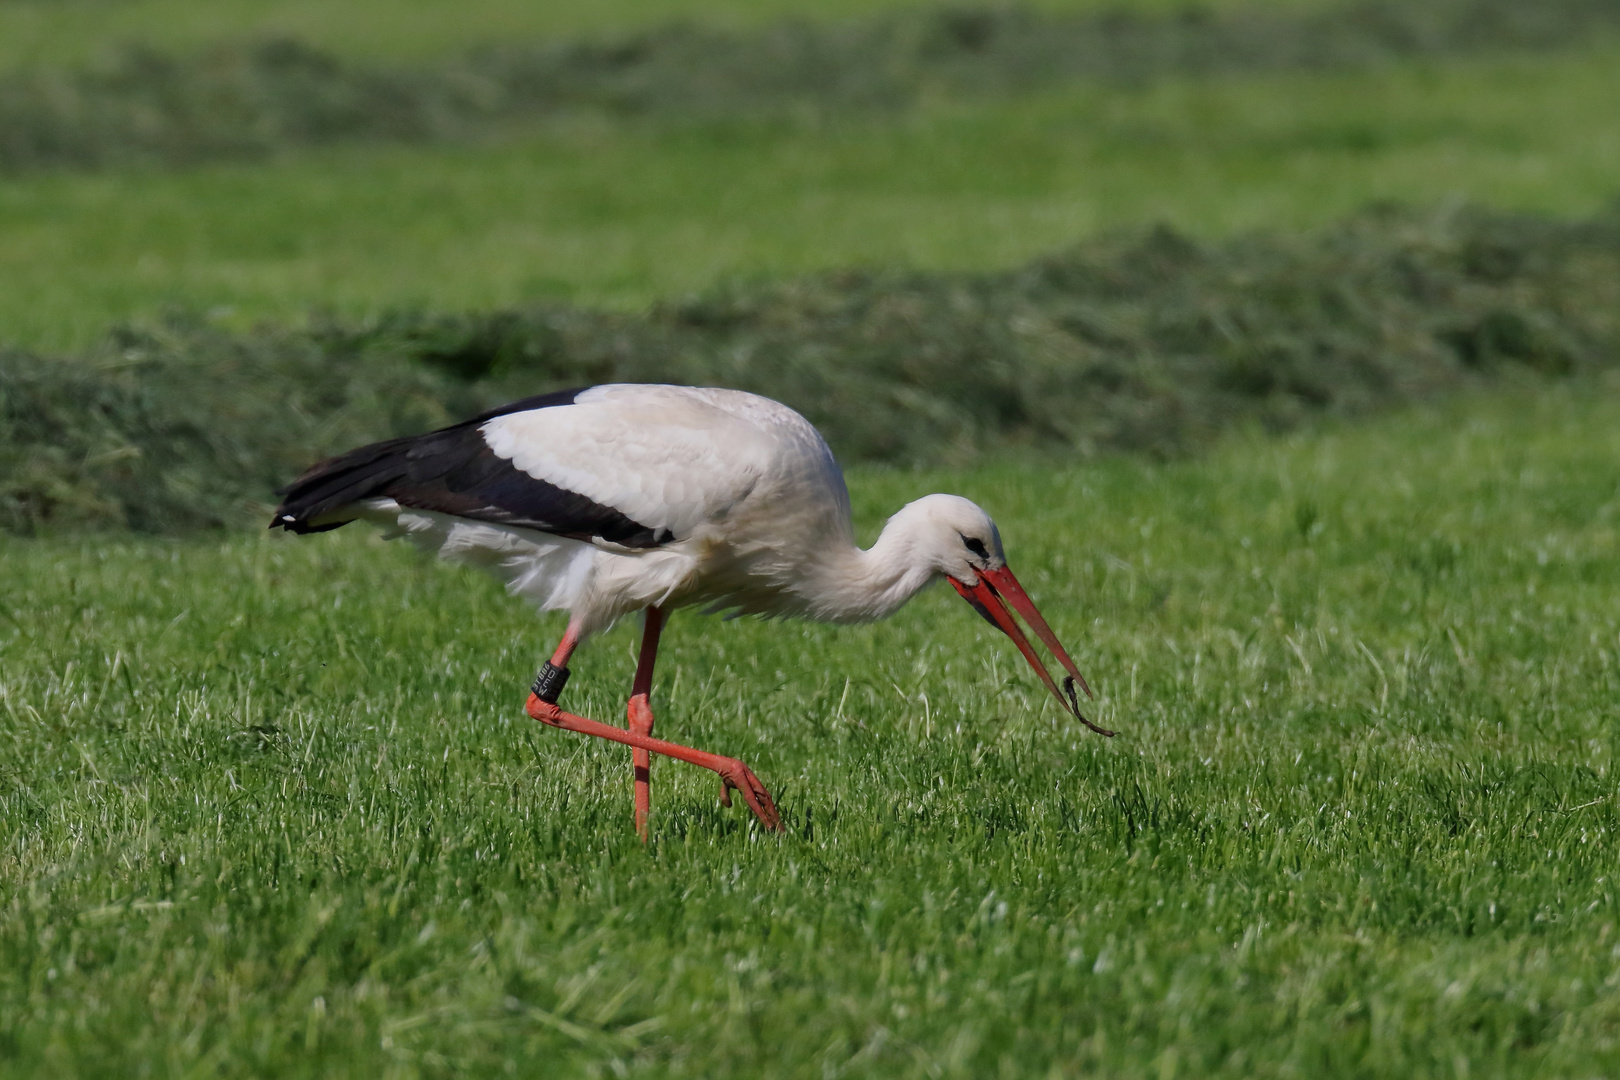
(1141, 342)
(37, 33)
(270, 807)
(620, 214)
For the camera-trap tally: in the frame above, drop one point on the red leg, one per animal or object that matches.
(566, 647)
(733, 773)
(640, 712)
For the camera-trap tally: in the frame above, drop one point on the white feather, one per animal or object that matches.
(669, 457)
(553, 572)
(755, 501)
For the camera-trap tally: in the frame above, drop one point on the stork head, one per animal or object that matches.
(966, 547)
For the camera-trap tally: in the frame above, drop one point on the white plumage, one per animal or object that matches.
(625, 497)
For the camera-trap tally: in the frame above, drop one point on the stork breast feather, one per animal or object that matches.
(665, 467)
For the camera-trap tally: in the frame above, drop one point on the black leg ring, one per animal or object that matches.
(548, 685)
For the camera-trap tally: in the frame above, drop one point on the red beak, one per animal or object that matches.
(990, 597)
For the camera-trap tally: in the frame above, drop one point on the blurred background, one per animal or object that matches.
(249, 159)
(751, 192)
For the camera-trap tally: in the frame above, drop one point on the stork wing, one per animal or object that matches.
(629, 465)
(667, 457)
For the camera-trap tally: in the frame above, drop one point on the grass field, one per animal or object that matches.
(74, 32)
(270, 807)
(621, 214)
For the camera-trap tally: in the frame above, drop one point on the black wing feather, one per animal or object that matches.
(453, 471)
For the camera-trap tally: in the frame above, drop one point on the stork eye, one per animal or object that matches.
(976, 546)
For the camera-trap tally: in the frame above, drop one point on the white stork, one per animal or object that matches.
(625, 497)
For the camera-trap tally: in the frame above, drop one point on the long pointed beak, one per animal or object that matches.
(990, 597)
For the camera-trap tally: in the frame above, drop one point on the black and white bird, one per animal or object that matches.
(626, 497)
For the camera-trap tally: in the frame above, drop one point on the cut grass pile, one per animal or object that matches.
(270, 807)
(75, 33)
(1146, 343)
(254, 98)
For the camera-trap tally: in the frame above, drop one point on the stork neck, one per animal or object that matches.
(862, 586)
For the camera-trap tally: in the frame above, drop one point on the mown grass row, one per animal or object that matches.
(1146, 342)
(250, 99)
(270, 806)
(74, 33)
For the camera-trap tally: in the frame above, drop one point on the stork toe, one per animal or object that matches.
(734, 774)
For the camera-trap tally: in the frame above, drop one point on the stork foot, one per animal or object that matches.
(733, 773)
